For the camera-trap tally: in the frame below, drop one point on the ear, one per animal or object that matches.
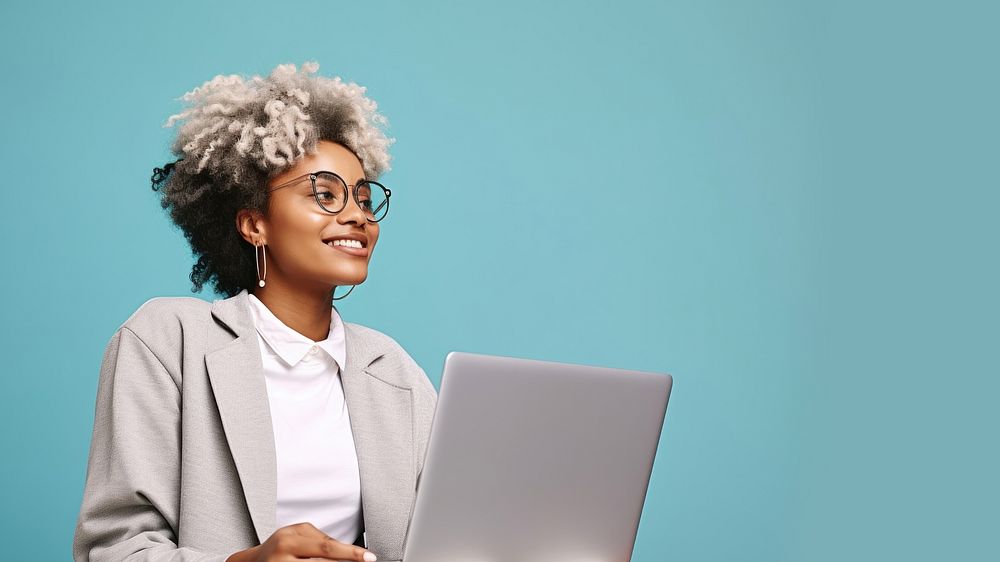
(251, 225)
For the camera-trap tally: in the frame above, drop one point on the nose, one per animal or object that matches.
(352, 213)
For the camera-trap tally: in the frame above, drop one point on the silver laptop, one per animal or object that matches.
(534, 461)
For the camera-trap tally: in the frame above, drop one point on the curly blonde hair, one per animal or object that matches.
(236, 134)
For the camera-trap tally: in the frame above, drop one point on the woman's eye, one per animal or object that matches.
(323, 194)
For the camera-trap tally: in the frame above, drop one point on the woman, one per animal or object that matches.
(261, 427)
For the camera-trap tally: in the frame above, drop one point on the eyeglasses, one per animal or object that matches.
(330, 192)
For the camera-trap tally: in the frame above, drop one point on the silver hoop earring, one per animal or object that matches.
(256, 255)
(345, 294)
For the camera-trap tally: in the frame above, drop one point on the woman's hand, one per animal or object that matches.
(298, 541)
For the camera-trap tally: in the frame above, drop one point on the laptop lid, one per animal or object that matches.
(534, 461)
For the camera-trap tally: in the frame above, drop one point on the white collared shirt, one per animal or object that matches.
(318, 477)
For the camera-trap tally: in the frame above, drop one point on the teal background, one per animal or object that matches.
(790, 206)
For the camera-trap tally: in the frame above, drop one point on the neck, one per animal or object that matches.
(305, 311)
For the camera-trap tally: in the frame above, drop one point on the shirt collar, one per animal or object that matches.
(292, 346)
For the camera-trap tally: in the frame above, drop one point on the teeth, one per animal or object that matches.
(347, 243)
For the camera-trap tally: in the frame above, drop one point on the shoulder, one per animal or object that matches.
(158, 313)
(393, 364)
(374, 338)
(164, 323)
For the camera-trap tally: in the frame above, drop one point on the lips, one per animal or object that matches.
(360, 252)
(349, 236)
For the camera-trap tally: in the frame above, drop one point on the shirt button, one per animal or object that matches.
(313, 350)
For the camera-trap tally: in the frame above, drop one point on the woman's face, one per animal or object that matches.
(300, 235)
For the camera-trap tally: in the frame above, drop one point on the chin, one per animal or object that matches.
(355, 279)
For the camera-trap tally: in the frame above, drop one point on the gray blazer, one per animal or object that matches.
(182, 462)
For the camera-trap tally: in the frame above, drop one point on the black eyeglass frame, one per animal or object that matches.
(353, 189)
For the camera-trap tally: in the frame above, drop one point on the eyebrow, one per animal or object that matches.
(306, 185)
(361, 179)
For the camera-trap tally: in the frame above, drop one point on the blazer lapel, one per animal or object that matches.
(236, 373)
(381, 414)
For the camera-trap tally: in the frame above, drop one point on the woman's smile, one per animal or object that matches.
(350, 247)
(351, 243)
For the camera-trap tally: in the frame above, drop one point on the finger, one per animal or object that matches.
(307, 529)
(322, 545)
(329, 549)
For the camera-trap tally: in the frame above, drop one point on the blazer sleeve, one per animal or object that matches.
(131, 498)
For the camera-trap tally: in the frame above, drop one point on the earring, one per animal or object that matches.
(257, 262)
(345, 294)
